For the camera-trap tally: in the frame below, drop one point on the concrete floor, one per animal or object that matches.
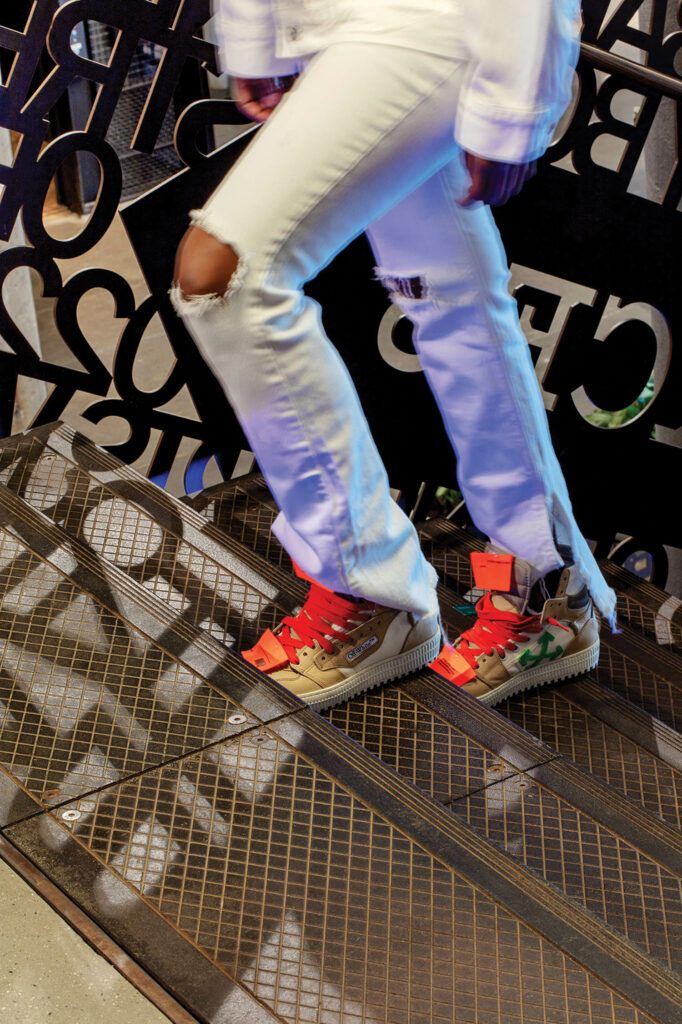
(49, 974)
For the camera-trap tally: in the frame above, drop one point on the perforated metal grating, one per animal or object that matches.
(85, 698)
(585, 860)
(452, 565)
(438, 758)
(435, 756)
(658, 696)
(569, 729)
(140, 170)
(646, 609)
(318, 906)
(644, 620)
(257, 853)
(224, 603)
(240, 514)
(600, 749)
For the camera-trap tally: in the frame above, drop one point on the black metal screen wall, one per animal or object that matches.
(592, 243)
(140, 170)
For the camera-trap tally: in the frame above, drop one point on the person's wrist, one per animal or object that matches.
(258, 88)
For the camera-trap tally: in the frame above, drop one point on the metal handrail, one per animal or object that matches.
(613, 64)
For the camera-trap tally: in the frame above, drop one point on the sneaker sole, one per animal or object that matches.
(552, 672)
(374, 675)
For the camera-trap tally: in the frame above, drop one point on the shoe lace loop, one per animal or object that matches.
(325, 615)
(497, 630)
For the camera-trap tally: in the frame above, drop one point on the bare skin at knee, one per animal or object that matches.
(203, 265)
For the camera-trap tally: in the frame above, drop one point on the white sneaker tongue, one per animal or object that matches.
(507, 603)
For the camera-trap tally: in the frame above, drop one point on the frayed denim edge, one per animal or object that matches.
(199, 305)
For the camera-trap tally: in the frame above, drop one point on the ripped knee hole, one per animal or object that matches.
(406, 287)
(207, 275)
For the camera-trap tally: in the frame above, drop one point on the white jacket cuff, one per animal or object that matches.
(255, 59)
(503, 135)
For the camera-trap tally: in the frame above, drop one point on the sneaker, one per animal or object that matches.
(336, 647)
(523, 637)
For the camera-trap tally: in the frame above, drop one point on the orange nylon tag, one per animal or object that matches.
(452, 666)
(268, 655)
(492, 571)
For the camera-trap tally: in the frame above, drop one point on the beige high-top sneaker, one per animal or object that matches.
(523, 637)
(337, 647)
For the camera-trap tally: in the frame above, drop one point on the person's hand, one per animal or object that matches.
(258, 97)
(493, 182)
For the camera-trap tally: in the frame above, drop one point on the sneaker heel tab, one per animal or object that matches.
(564, 580)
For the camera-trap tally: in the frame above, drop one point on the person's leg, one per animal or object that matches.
(477, 361)
(361, 129)
(445, 268)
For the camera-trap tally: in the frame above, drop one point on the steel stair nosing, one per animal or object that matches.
(252, 484)
(564, 923)
(646, 982)
(625, 818)
(640, 727)
(644, 592)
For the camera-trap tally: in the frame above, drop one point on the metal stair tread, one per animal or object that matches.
(352, 754)
(254, 484)
(662, 743)
(81, 551)
(156, 618)
(57, 440)
(291, 582)
(288, 586)
(435, 853)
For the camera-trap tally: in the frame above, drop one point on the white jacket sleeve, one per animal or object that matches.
(247, 38)
(523, 55)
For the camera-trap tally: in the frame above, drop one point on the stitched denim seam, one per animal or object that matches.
(503, 360)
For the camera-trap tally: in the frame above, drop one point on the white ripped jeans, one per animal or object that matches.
(365, 142)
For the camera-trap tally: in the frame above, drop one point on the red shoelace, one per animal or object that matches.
(324, 614)
(497, 630)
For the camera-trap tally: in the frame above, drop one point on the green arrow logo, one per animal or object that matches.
(544, 654)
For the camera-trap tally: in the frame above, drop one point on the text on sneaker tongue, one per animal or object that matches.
(357, 651)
